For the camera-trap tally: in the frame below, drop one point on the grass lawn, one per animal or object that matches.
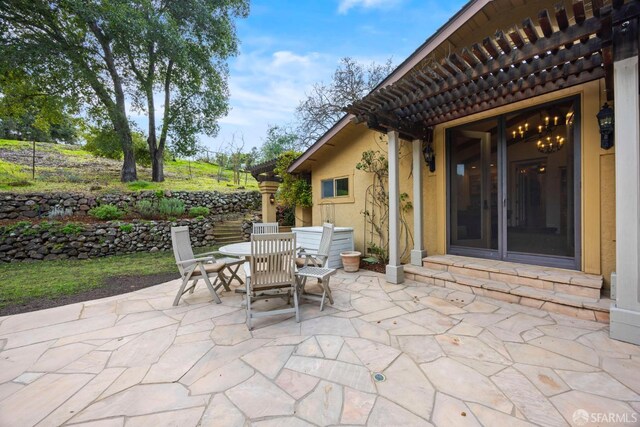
(26, 281)
(62, 167)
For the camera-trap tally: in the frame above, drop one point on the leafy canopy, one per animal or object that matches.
(29, 113)
(279, 140)
(179, 49)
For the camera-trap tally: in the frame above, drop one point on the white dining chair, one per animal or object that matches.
(204, 266)
(265, 228)
(271, 273)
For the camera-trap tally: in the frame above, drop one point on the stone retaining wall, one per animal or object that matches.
(38, 205)
(50, 240)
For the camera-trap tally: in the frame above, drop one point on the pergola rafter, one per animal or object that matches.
(513, 65)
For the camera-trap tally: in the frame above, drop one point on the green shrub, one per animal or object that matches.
(146, 209)
(48, 225)
(72, 228)
(20, 183)
(171, 207)
(139, 185)
(104, 142)
(126, 228)
(106, 212)
(31, 231)
(198, 211)
(20, 224)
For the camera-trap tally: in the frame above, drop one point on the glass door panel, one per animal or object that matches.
(540, 181)
(473, 203)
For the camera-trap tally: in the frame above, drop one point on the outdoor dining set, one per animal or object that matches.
(273, 264)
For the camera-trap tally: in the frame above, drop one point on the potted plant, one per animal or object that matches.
(350, 261)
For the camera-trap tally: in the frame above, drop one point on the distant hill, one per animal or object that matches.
(70, 168)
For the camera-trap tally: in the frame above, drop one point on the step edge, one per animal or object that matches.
(516, 290)
(596, 281)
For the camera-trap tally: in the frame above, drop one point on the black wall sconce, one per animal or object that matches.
(272, 198)
(605, 122)
(429, 156)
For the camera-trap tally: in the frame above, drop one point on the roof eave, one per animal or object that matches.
(445, 31)
(320, 142)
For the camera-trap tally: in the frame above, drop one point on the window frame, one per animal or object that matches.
(335, 188)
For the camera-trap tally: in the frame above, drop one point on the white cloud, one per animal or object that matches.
(345, 5)
(265, 88)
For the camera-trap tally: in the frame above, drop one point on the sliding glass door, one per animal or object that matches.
(513, 186)
(473, 213)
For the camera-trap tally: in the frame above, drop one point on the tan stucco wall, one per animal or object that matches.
(597, 196)
(340, 161)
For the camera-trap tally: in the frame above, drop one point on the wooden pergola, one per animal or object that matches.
(515, 64)
(265, 171)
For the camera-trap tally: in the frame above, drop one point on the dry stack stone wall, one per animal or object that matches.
(19, 206)
(50, 240)
(30, 233)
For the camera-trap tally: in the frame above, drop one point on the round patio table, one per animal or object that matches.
(236, 249)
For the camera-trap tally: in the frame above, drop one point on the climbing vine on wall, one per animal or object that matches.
(294, 191)
(376, 211)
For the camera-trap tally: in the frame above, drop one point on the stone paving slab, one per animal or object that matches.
(449, 358)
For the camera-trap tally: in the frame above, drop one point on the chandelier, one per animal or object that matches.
(549, 146)
(544, 135)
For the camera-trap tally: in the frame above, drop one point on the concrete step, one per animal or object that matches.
(226, 233)
(227, 227)
(585, 307)
(228, 238)
(548, 278)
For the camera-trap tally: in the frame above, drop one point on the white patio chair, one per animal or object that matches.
(203, 267)
(314, 264)
(271, 273)
(319, 258)
(265, 228)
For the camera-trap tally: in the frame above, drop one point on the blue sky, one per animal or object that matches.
(287, 46)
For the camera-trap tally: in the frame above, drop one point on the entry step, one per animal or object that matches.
(557, 290)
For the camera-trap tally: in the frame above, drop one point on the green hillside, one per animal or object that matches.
(70, 168)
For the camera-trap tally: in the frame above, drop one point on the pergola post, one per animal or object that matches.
(625, 311)
(395, 271)
(267, 189)
(418, 251)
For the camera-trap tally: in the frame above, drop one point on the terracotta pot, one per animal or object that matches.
(350, 261)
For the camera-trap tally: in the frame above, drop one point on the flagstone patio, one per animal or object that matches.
(450, 358)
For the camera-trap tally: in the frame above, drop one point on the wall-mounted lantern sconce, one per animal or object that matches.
(605, 122)
(429, 156)
(272, 198)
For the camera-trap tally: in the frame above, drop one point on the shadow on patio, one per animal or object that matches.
(449, 358)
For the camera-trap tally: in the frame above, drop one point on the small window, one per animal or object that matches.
(327, 188)
(342, 187)
(337, 187)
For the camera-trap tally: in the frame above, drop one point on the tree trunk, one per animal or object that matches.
(157, 152)
(121, 126)
(157, 165)
(118, 114)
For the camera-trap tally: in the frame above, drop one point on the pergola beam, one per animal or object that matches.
(503, 68)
